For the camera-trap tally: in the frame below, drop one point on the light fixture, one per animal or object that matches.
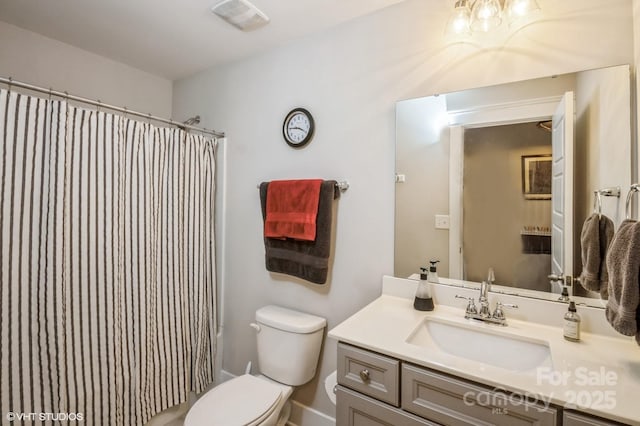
(487, 15)
(460, 18)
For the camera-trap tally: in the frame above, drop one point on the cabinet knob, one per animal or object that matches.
(364, 375)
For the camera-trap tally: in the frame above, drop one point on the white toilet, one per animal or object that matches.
(288, 349)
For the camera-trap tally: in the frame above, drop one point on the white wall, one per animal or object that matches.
(350, 78)
(35, 59)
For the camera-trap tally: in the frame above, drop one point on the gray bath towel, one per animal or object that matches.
(623, 263)
(308, 260)
(596, 236)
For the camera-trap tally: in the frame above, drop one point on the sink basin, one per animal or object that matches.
(471, 342)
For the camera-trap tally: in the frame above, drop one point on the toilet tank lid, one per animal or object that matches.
(289, 320)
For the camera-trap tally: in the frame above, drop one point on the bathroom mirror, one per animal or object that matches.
(482, 180)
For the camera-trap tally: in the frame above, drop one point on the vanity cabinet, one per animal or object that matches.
(572, 418)
(375, 375)
(355, 409)
(375, 389)
(452, 401)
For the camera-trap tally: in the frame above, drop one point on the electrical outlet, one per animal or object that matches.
(442, 221)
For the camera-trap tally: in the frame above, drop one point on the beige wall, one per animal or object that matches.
(35, 59)
(495, 210)
(350, 78)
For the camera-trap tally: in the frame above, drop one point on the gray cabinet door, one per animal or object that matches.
(572, 418)
(353, 409)
(369, 373)
(456, 402)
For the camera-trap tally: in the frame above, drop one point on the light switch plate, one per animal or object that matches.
(442, 221)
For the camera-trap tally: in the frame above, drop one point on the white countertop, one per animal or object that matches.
(601, 373)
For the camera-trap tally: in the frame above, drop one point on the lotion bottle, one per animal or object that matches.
(572, 323)
(423, 300)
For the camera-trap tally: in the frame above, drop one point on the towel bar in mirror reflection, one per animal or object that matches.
(460, 154)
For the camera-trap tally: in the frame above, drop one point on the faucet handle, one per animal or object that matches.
(471, 306)
(499, 312)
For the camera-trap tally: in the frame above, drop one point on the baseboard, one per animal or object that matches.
(301, 415)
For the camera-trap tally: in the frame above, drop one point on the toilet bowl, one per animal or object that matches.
(243, 401)
(330, 383)
(288, 345)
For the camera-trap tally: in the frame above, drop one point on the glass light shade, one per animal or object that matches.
(460, 19)
(486, 15)
(516, 9)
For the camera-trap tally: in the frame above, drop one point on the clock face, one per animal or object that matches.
(298, 127)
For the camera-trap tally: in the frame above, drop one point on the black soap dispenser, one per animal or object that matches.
(423, 300)
(433, 273)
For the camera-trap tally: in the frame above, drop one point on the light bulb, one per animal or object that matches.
(460, 19)
(516, 9)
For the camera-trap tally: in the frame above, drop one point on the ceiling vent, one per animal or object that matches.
(241, 14)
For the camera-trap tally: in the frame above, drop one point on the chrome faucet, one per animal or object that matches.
(484, 314)
(485, 311)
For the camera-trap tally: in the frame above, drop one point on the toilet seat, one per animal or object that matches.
(244, 401)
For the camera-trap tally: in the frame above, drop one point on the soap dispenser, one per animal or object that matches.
(572, 323)
(433, 274)
(423, 300)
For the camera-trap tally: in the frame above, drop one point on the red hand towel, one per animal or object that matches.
(292, 209)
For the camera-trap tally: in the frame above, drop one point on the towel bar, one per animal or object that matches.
(632, 190)
(605, 192)
(342, 185)
(613, 191)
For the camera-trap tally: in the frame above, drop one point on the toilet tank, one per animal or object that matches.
(288, 344)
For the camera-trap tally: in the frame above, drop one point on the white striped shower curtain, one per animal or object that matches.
(107, 269)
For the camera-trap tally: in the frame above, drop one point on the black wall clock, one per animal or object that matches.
(298, 127)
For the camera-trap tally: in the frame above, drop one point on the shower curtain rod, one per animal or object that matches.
(11, 82)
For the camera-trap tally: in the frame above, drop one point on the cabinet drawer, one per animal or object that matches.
(372, 374)
(354, 409)
(455, 402)
(571, 418)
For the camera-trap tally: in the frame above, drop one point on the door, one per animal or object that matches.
(562, 188)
